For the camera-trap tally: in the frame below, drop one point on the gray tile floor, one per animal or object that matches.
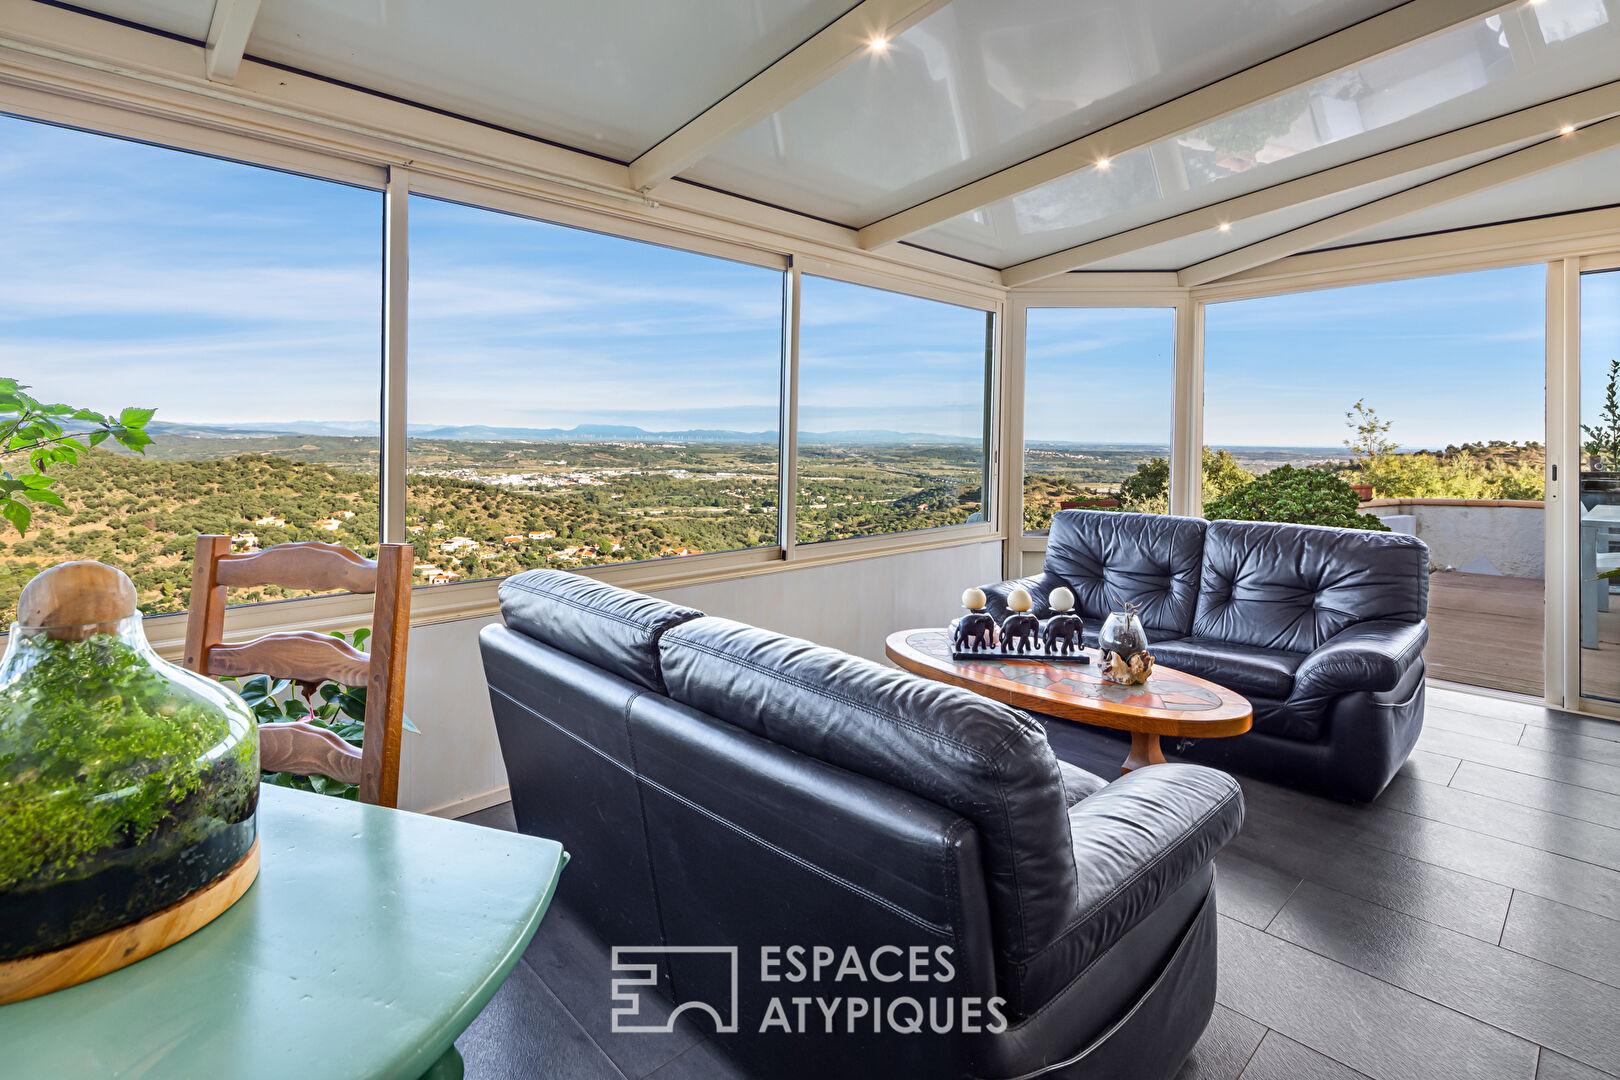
(1467, 924)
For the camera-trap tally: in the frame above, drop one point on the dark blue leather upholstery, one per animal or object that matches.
(1322, 629)
(1151, 560)
(1293, 587)
(759, 790)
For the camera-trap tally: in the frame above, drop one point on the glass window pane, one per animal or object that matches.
(1599, 541)
(579, 399)
(242, 304)
(892, 418)
(1097, 410)
(1418, 403)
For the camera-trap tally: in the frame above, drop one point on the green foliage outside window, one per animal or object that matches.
(1300, 496)
(1603, 439)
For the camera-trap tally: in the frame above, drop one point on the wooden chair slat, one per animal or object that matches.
(302, 655)
(309, 565)
(309, 657)
(297, 746)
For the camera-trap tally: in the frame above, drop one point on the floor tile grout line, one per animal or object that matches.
(1521, 772)
(1284, 904)
(1505, 802)
(1508, 914)
(1262, 1041)
(1425, 997)
(1508, 839)
(614, 1065)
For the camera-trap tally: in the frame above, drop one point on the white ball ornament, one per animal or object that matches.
(1061, 599)
(974, 599)
(1019, 600)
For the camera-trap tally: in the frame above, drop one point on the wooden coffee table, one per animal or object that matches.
(1170, 703)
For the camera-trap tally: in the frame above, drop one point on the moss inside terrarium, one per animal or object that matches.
(121, 788)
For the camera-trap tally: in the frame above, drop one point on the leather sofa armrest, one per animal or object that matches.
(1371, 656)
(1135, 842)
(1040, 586)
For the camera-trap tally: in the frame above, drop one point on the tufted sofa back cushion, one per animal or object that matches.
(1295, 586)
(1109, 558)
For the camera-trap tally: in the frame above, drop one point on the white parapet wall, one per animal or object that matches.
(1476, 535)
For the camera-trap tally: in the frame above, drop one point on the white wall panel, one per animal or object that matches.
(455, 764)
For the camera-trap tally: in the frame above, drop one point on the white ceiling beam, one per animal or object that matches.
(1411, 22)
(1556, 151)
(831, 50)
(1537, 121)
(228, 32)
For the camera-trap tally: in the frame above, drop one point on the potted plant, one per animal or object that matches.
(1602, 445)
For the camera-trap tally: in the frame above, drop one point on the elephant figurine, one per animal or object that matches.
(1019, 630)
(975, 631)
(1061, 635)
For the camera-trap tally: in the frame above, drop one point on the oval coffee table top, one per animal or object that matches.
(1170, 703)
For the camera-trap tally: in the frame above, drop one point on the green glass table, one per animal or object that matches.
(369, 942)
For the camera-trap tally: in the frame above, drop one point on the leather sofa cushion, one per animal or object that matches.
(614, 629)
(1292, 587)
(1109, 558)
(1248, 669)
(1078, 783)
(986, 761)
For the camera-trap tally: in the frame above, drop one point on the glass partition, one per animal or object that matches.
(239, 303)
(578, 399)
(1599, 549)
(893, 411)
(1097, 410)
(1414, 406)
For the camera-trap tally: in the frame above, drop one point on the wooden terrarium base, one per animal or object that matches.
(31, 976)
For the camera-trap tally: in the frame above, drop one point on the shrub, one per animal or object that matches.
(1299, 496)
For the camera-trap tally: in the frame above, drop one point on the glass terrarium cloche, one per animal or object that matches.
(127, 784)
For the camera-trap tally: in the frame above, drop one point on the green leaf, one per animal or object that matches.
(16, 513)
(135, 418)
(49, 498)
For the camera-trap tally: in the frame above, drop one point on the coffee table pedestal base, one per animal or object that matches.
(1145, 750)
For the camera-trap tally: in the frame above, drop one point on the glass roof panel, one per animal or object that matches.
(187, 18)
(1580, 185)
(982, 84)
(611, 77)
(1470, 74)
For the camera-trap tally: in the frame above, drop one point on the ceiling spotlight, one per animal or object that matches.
(1226, 226)
(878, 44)
(1567, 129)
(1103, 163)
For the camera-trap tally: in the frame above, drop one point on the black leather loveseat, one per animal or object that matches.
(720, 785)
(1321, 629)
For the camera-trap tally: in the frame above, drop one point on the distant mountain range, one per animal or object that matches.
(578, 433)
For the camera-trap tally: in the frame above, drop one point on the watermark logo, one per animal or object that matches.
(803, 989)
(628, 1012)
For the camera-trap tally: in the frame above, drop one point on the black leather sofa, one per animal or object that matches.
(1321, 629)
(721, 785)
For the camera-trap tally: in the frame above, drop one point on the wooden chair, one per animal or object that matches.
(308, 658)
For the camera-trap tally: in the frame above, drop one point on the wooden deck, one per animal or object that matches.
(1487, 631)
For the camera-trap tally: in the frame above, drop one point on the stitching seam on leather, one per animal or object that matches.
(1165, 856)
(828, 875)
(991, 760)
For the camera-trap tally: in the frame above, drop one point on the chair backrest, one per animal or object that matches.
(309, 658)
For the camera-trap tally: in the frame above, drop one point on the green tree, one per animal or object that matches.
(1603, 439)
(1369, 435)
(1222, 474)
(1299, 496)
(1146, 488)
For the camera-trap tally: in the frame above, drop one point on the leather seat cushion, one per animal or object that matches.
(986, 761)
(1292, 587)
(1110, 558)
(1248, 669)
(614, 629)
(1078, 783)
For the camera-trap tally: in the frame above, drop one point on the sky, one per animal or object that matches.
(222, 293)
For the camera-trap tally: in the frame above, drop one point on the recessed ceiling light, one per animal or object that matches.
(1567, 129)
(1103, 163)
(1226, 226)
(879, 43)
